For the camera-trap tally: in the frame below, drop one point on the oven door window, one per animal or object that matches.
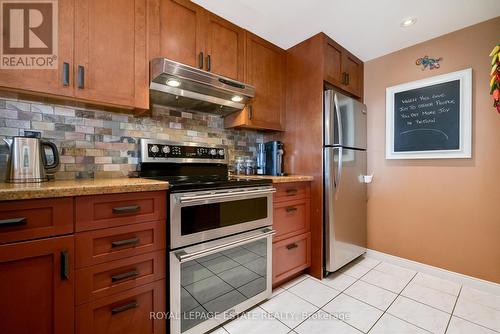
(221, 214)
(215, 283)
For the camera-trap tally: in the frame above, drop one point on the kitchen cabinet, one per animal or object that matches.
(341, 68)
(265, 70)
(292, 241)
(110, 64)
(49, 81)
(187, 33)
(36, 286)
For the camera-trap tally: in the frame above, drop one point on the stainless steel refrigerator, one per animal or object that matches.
(345, 179)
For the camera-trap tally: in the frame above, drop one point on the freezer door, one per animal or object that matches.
(345, 206)
(345, 121)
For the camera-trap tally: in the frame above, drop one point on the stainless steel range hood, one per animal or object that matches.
(180, 86)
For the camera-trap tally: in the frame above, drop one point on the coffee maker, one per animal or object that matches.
(274, 158)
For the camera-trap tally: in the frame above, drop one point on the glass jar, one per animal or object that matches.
(249, 167)
(239, 166)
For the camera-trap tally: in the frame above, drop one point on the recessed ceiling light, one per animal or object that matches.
(173, 83)
(408, 22)
(236, 98)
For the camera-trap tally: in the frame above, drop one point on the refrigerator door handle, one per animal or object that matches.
(339, 171)
(339, 120)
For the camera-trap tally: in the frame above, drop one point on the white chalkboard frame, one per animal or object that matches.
(465, 150)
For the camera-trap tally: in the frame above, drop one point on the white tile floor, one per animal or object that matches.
(370, 296)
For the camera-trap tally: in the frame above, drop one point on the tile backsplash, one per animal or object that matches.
(95, 143)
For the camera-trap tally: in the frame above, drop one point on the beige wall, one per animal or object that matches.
(445, 213)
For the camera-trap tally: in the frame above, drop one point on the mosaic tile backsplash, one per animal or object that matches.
(96, 143)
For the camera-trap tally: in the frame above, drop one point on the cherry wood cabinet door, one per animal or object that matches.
(36, 286)
(225, 47)
(265, 69)
(110, 52)
(353, 67)
(333, 58)
(178, 32)
(45, 80)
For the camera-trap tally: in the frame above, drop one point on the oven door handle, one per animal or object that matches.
(243, 193)
(183, 256)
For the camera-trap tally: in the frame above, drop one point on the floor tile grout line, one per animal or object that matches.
(453, 310)
(475, 323)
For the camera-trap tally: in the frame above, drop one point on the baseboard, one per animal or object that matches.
(470, 281)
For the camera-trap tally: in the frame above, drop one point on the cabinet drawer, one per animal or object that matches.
(37, 218)
(291, 191)
(125, 312)
(291, 218)
(111, 277)
(94, 247)
(291, 256)
(93, 212)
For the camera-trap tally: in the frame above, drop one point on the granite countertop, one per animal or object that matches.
(64, 188)
(276, 179)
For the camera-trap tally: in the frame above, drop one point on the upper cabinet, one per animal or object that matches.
(102, 55)
(50, 81)
(110, 52)
(265, 69)
(186, 33)
(341, 68)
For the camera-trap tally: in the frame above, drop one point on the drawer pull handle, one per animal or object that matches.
(291, 191)
(120, 243)
(64, 265)
(291, 209)
(13, 221)
(127, 209)
(292, 246)
(120, 277)
(124, 308)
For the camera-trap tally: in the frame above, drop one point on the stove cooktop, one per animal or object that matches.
(191, 183)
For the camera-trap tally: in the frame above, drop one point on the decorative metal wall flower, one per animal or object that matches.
(495, 76)
(428, 62)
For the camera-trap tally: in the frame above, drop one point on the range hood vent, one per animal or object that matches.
(180, 86)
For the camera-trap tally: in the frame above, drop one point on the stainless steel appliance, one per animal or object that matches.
(177, 85)
(274, 158)
(220, 234)
(344, 179)
(261, 159)
(28, 160)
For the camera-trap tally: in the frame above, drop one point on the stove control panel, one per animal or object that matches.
(154, 151)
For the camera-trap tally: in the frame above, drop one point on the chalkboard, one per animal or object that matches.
(427, 118)
(430, 118)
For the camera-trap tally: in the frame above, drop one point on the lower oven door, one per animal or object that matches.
(199, 216)
(214, 281)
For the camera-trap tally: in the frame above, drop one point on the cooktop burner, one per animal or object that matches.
(189, 166)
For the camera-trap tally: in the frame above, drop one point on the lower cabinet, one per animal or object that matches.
(292, 241)
(37, 286)
(126, 312)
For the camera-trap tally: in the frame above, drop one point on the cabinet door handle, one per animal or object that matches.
(200, 61)
(126, 242)
(292, 246)
(127, 209)
(124, 308)
(347, 79)
(291, 191)
(64, 265)
(291, 209)
(250, 111)
(343, 78)
(81, 77)
(120, 277)
(13, 222)
(209, 63)
(65, 74)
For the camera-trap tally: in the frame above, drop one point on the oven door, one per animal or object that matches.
(205, 215)
(214, 281)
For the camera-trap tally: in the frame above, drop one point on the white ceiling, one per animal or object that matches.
(367, 28)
